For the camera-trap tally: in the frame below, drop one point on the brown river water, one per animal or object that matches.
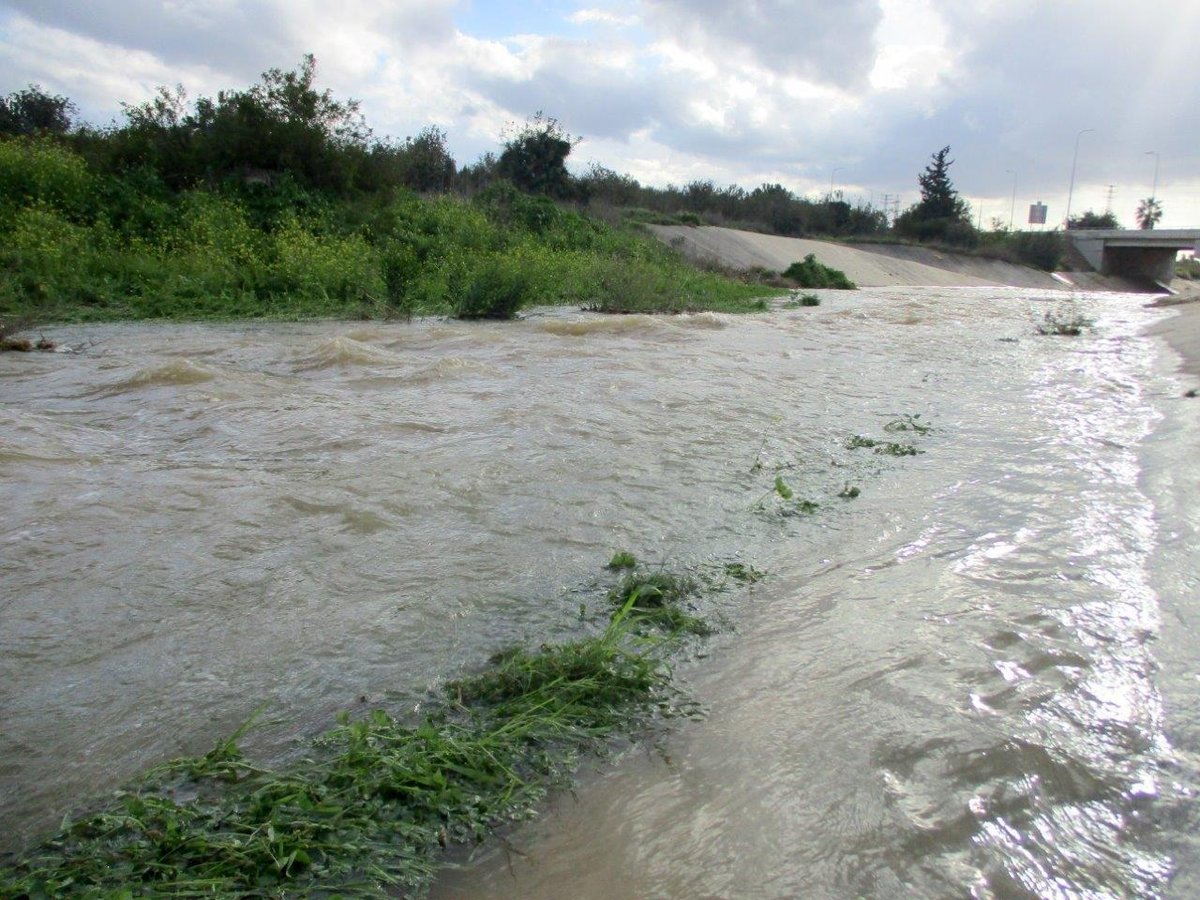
(976, 679)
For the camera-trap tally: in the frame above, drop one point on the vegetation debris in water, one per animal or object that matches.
(743, 572)
(888, 448)
(849, 492)
(802, 300)
(9, 342)
(659, 599)
(371, 808)
(786, 504)
(622, 560)
(783, 489)
(908, 422)
(1064, 324)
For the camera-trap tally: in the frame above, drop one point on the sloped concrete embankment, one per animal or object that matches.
(869, 265)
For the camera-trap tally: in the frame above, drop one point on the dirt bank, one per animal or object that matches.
(1182, 332)
(869, 265)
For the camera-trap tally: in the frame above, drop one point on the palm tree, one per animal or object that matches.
(1148, 213)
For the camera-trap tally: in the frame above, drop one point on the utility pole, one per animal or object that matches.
(1013, 208)
(1154, 190)
(1074, 160)
(1108, 206)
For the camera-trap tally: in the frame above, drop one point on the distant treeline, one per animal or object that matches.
(284, 129)
(279, 200)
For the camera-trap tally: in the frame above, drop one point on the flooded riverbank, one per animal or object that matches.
(949, 683)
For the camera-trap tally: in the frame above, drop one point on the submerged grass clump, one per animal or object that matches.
(786, 503)
(743, 572)
(659, 599)
(622, 560)
(1066, 323)
(802, 300)
(888, 448)
(371, 809)
(908, 422)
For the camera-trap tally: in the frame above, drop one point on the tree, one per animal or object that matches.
(939, 199)
(33, 111)
(282, 124)
(941, 215)
(427, 164)
(604, 185)
(1091, 219)
(1149, 212)
(535, 158)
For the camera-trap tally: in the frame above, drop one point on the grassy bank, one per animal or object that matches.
(378, 798)
(77, 245)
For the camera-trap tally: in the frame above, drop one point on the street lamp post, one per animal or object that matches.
(1012, 209)
(1074, 159)
(1154, 191)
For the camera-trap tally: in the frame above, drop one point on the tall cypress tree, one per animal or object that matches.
(939, 199)
(941, 215)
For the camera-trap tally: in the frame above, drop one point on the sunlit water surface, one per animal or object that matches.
(974, 679)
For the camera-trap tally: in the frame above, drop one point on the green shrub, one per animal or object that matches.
(811, 274)
(39, 171)
(340, 268)
(497, 289)
(1041, 249)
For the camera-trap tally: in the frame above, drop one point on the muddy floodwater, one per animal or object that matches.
(976, 678)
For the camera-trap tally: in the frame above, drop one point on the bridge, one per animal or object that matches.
(1143, 255)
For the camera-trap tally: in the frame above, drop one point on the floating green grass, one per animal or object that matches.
(786, 503)
(1064, 323)
(783, 489)
(370, 810)
(622, 560)
(803, 300)
(743, 572)
(908, 422)
(659, 599)
(887, 448)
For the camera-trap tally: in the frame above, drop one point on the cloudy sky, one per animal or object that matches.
(803, 92)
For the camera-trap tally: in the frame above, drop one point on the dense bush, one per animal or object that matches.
(496, 290)
(42, 173)
(535, 159)
(809, 273)
(1040, 249)
(79, 245)
(33, 112)
(276, 200)
(1091, 219)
